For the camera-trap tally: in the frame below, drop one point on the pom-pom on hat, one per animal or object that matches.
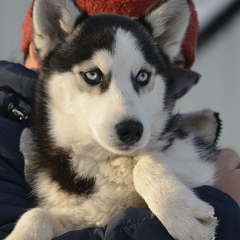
(131, 8)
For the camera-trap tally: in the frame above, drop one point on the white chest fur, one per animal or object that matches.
(114, 191)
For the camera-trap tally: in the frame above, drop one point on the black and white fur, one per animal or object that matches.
(104, 137)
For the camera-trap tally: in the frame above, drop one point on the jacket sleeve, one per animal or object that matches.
(17, 85)
(14, 191)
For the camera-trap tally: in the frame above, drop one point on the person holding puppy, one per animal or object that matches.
(15, 112)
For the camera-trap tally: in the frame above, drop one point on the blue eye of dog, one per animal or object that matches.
(143, 77)
(93, 77)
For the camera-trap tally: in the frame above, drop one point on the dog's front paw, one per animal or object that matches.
(37, 224)
(15, 235)
(191, 221)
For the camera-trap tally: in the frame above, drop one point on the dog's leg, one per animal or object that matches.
(37, 224)
(184, 215)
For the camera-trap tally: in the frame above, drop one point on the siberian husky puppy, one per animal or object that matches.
(104, 137)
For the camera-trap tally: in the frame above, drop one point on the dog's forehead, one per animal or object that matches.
(104, 31)
(109, 20)
(116, 34)
(115, 46)
(121, 58)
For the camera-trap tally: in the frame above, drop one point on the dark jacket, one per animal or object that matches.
(16, 98)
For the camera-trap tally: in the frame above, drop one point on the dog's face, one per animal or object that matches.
(104, 76)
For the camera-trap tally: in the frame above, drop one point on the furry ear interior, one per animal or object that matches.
(52, 22)
(169, 20)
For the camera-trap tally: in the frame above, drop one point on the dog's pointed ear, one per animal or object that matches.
(52, 22)
(168, 21)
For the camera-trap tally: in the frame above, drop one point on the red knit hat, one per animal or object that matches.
(190, 42)
(131, 8)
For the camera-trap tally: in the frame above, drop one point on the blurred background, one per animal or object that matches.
(218, 59)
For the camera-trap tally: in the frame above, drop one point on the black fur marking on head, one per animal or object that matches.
(134, 83)
(146, 24)
(96, 33)
(82, 18)
(88, 38)
(104, 85)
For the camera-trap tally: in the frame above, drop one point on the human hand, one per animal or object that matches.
(228, 173)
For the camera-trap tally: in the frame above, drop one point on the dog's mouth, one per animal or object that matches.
(122, 149)
(126, 148)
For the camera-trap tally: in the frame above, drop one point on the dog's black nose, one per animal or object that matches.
(130, 131)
